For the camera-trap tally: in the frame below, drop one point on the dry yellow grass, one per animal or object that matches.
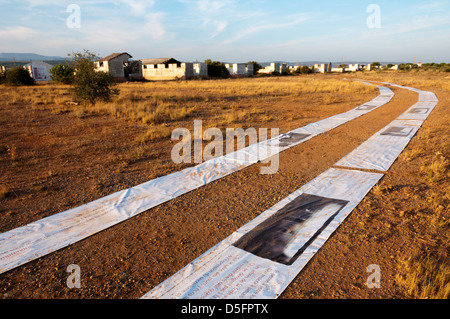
(409, 155)
(425, 277)
(231, 101)
(417, 78)
(437, 169)
(154, 133)
(156, 102)
(381, 189)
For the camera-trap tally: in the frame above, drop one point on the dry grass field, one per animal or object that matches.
(55, 156)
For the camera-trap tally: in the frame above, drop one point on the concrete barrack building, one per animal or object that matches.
(240, 69)
(170, 69)
(39, 70)
(120, 66)
(338, 70)
(274, 67)
(200, 69)
(323, 68)
(354, 67)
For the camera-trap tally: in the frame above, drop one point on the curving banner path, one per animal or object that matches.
(261, 258)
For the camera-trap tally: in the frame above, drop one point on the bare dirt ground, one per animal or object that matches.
(52, 161)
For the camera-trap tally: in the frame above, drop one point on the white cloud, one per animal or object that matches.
(154, 25)
(220, 26)
(139, 7)
(437, 6)
(213, 15)
(17, 33)
(292, 21)
(213, 6)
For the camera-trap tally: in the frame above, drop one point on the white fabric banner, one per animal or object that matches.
(381, 150)
(260, 259)
(29, 242)
(419, 111)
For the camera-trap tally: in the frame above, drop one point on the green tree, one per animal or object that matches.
(90, 85)
(445, 68)
(18, 76)
(62, 74)
(303, 70)
(217, 69)
(2, 77)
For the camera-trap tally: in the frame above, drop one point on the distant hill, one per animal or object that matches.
(26, 57)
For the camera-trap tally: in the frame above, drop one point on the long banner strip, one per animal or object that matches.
(381, 150)
(260, 259)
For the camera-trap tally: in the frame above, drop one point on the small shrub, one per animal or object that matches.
(90, 85)
(437, 169)
(4, 191)
(62, 74)
(303, 70)
(12, 151)
(381, 189)
(217, 69)
(18, 76)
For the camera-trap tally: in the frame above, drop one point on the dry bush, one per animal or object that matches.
(12, 151)
(381, 189)
(154, 133)
(437, 169)
(412, 154)
(425, 276)
(4, 191)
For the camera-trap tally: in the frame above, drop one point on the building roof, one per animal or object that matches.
(38, 62)
(160, 61)
(113, 56)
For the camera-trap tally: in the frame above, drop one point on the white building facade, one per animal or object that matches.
(39, 70)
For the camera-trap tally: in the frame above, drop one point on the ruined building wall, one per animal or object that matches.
(167, 72)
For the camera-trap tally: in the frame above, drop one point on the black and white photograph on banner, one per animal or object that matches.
(279, 238)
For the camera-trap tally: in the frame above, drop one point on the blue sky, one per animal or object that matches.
(231, 30)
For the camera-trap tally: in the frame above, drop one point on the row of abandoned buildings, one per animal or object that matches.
(123, 68)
